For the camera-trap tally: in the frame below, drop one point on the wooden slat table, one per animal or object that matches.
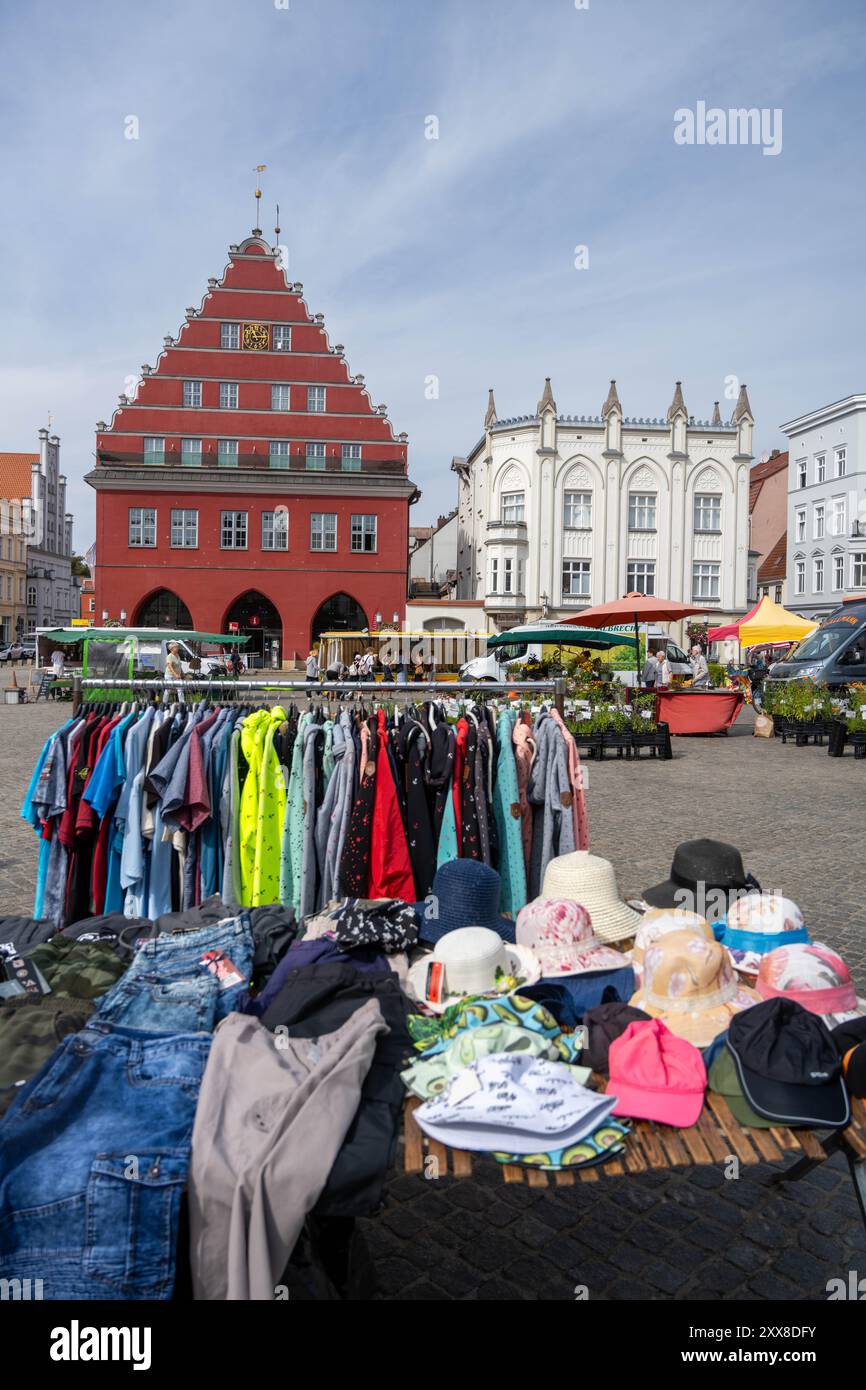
(716, 1137)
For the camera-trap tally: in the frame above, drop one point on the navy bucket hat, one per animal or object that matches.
(465, 893)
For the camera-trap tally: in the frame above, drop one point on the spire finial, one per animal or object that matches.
(742, 407)
(612, 402)
(547, 402)
(677, 404)
(717, 415)
(259, 169)
(490, 417)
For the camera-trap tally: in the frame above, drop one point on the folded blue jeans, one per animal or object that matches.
(94, 1155)
(175, 956)
(156, 1005)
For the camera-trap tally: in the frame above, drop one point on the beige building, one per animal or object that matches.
(15, 477)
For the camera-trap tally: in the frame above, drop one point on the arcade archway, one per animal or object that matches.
(254, 616)
(163, 609)
(339, 613)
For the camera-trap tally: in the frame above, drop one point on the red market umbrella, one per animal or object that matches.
(638, 607)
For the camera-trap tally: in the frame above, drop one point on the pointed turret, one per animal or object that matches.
(677, 405)
(490, 417)
(547, 402)
(612, 402)
(717, 415)
(742, 408)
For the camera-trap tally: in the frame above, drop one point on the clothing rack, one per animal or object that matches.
(410, 690)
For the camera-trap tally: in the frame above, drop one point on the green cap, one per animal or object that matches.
(724, 1081)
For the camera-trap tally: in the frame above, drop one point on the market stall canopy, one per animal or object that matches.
(562, 635)
(718, 634)
(773, 623)
(641, 608)
(63, 635)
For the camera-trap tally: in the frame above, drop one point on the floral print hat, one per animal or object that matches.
(757, 924)
(815, 977)
(560, 933)
(690, 983)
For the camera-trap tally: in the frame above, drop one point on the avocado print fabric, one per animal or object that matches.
(433, 1035)
(430, 1075)
(603, 1144)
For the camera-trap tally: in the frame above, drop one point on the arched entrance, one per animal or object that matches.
(163, 609)
(257, 618)
(339, 613)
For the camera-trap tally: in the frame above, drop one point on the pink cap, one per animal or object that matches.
(656, 1076)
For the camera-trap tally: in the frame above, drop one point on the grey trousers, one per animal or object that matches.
(272, 1114)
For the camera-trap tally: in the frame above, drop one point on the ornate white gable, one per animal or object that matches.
(577, 477)
(643, 478)
(708, 478)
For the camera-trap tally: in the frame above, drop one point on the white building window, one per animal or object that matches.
(154, 449)
(507, 575)
(280, 398)
(233, 530)
(858, 569)
(363, 534)
(31, 595)
(577, 511)
(316, 399)
(642, 511)
(840, 456)
(705, 580)
(190, 452)
(282, 337)
(315, 458)
(513, 507)
(800, 523)
(778, 593)
(708, 512)
(275, 530)
(839, 516)
(820, 467)
(640, 577)
(227, 453)
(323, 530)
(278, 453)
(800, 577)
(184, 528)
(802, 472)
(818, 522)
(494, 576)
(192, 393)
(818, 574)
(350, 458)
(230, 335)
(838, 572)
(228, 395)
(576, 577)
(142, 528)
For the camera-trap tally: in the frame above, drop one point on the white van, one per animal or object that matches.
(152, 655)
(499, 664)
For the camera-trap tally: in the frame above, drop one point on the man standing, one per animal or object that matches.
(700, 669)
(173, 667)
(650, 670)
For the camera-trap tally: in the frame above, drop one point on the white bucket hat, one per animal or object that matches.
(474, 959)
(590, 880)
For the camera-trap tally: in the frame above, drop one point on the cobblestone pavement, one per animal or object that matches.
(798, 817)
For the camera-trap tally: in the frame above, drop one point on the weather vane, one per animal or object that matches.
(259, 169)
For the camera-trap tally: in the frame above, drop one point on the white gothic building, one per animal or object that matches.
(558, 512)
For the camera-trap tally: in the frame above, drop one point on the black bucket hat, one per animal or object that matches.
(788, 1065)
(710, 863)
(605, 1023)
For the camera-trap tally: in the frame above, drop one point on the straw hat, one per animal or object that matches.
(591, 881)
(691, 984)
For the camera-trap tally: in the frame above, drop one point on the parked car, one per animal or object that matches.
(28, 651)
(14, 652)
(834, 654)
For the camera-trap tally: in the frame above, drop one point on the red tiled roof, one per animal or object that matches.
(768, 468)
(15, 475)
(774, 567)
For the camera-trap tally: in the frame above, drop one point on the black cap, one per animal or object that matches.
(788, 1065)
(848, 1035)
(854, 1065)
(606, 1022)
(712, 863)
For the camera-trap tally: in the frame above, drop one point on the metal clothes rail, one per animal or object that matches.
(410, 690)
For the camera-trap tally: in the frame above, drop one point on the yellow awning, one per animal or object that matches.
(773, 623)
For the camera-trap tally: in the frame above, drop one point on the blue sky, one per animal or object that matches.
(451, 257)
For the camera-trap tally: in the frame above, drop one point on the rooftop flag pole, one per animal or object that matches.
(259, 169)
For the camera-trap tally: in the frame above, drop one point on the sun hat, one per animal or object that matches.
(757, 924)
(701, 868)
(591, 881)
(656, 1075)
(815, 977)
(691, 984)
(722, 1078)
(658, 922)
(465, 893)
(560, 933)
(604, 1024)
(788, 1065)
(473, 957)
(516, 1104)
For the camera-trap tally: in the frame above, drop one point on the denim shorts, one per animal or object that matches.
(95, 1154)
(156, 1005)
(175, 956)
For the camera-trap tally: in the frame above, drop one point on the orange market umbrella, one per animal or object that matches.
(640, 608)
